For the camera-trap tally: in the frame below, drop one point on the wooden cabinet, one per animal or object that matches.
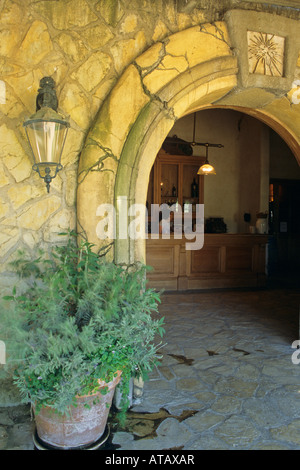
(225, 261)
(174, 180)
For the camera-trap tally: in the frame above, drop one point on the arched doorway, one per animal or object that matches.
(234, 254)
(191, 70)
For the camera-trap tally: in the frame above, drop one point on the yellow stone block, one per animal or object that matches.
(160, 31)
(60, 222)
(14, 158)
(3, 208)
(124, 52)
(4, 180)
(123, 107)
(73, 46)
(200, 43)
(12, 107)
(39, 212)
(74, 103)
(65, 14)
(184, 50)
(170, 12)
(71, 187)
(9, 40)
(9, 222)
(72, 148)
(32, 239)
(20, 196)
(110, 10)
(8, 238)
(169, 68)
(198, 16)
(101, 93)
(204, 94)
(8, 68)
(100, 189)
(36, 44)
(96, 36)
(151, 58)
(11, 14)
(91, 72)
(18, 167)
(8, 141)
(129, 24)
(25, 86)
(184, 21)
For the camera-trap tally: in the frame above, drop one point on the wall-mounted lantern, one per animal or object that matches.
(46, 131)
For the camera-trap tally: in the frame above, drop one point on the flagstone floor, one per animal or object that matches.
(226, 379)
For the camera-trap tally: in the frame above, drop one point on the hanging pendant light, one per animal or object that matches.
(46, 132)
(206, 168)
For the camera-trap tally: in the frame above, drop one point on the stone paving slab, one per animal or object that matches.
(239, 378)
(226, 380)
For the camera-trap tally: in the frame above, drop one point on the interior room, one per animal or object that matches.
(250, 203)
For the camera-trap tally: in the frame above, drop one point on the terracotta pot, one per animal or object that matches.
(83, 426)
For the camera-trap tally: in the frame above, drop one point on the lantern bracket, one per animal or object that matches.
(47, 177)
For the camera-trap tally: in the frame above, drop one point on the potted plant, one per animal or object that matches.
(80, 325)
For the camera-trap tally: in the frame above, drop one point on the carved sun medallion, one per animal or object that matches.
(265, 53)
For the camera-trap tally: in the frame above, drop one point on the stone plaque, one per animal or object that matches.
(265, 53)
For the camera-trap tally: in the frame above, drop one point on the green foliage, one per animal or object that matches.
(80, 320)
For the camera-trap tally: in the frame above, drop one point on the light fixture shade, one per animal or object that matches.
(46, 132)
(206, 169)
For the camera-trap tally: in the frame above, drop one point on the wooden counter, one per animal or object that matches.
(225, 261)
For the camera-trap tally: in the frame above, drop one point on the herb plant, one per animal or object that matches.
(81, 319)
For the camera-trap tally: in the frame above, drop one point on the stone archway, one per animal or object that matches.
(188, 71)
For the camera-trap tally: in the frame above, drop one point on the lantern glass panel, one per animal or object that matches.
(47, 140)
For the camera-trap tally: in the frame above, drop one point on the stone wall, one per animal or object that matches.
(85, 46)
